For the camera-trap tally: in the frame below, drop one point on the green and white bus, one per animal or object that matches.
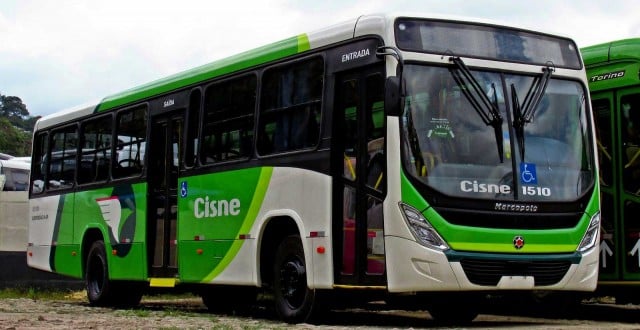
(613, 69)
(386, 157)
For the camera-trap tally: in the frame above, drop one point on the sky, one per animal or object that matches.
(59, 54)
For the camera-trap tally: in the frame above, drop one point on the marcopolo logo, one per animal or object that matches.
(211, 208)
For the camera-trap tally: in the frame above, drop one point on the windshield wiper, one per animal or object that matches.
(487, 110)
(523, 114)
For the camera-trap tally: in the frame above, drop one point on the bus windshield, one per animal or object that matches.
(453, 147)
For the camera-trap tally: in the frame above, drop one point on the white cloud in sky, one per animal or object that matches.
(56, 54)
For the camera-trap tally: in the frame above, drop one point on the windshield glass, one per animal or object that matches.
(450, 148)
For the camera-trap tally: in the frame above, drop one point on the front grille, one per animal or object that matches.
(510, 220)
(489, 272)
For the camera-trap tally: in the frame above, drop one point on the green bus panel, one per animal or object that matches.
(64, 246)
(131, 266)
(198, 258)
(68, 260)
(214, 211)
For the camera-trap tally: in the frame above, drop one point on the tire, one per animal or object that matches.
(100, 290)
(294, 301)
(98, 285)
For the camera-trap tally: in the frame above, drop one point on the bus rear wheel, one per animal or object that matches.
(97, 276)
(100, 290)
(294, 301)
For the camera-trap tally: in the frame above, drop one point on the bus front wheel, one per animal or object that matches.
(294, 301)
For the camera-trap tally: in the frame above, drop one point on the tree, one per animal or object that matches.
(14, 141)
(12, 108)
(16, 126)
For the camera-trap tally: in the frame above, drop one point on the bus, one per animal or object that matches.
(612, 70)
(409, 159)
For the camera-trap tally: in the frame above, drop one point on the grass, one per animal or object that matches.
(40, 294)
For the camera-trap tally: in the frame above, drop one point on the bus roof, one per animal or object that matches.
(619, 50)
(21, 164)
(364, 25)
(613, 64)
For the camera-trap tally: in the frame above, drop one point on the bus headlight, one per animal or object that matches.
(421, 229)
(592, 235)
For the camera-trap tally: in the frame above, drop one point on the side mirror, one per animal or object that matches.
(393, 96)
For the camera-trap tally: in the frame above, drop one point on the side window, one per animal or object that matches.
(39, 162)
(290, 107)
(15, 179)
(62, 166)
(95, 148)
(131, 131)
(228, 120)
(375, 132)
(630, 132)
(602, 111)
(193, 126)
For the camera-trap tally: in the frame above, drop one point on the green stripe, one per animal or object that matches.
(508, 248)
(256, 203)
(235, 63)
(303, 43)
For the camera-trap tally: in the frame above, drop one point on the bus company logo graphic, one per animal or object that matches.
(518, 242)
(111, 210)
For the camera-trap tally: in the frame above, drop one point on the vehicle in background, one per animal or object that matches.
(613, 70)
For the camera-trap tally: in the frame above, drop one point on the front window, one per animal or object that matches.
(462, 146)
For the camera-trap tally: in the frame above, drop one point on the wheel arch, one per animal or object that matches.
(275, 229)
(91, 235)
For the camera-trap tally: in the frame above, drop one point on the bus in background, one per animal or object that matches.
(14, 174)
(613, 70)
(424, 160)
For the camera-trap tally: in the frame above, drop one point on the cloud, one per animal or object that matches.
(96, 48)
(56, 54)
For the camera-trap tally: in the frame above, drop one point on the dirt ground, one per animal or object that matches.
(189, 313)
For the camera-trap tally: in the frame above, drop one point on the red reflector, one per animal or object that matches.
(314, 234)
(114, 252)
(199, 251)
(30, 254)
(320, 249)
(371, 234)
(244, 236)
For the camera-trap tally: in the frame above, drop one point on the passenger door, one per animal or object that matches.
(164, 161)
(359, 177)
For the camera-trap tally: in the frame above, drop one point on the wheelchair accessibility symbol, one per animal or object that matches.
(183, 189)
(528, 173)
